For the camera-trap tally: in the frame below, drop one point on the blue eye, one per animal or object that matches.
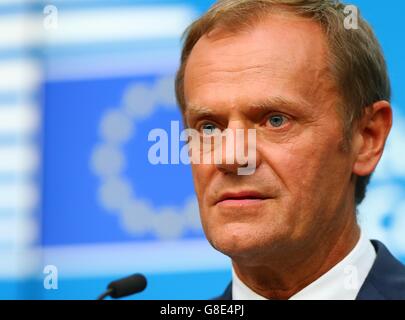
(277, 121)
(208, 129)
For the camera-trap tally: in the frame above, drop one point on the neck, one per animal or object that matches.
(289, 273)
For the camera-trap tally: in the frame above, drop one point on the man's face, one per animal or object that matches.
(273, 78)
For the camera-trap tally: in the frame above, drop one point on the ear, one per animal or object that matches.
(370, 137)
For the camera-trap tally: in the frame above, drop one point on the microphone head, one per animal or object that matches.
(127, 286)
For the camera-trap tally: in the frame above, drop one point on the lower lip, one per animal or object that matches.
(241, 202)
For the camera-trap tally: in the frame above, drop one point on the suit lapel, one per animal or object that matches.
(227, 295)
(386, 279)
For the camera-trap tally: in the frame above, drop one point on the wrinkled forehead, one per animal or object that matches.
(280, 53)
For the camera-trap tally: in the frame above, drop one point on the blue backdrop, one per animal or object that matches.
(104, 211)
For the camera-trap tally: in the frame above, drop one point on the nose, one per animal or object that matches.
(239, 154)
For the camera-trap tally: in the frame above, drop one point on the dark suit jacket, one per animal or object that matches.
(385, 281)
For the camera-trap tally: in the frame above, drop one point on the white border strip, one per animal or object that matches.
(149, 257)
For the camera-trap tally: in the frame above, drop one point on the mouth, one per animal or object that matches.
(240, 199)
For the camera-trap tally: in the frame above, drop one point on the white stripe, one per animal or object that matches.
(95, 25)
(117, 24)
(19, 196)
(150, 257)
(108, 259)
(20, 31)
(20, 75)
(19, 120)
(21, 159)
(15, 264)
(18, 232)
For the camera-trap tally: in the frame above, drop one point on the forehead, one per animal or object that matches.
(280, 55)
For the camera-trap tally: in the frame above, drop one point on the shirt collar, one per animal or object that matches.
(342, 282)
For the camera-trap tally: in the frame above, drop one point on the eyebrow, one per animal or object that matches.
(198, 110)
(265, 105)
(280, 102)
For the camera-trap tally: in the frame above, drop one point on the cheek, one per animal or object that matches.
(196, 172)
(201, 177)
(307, 170)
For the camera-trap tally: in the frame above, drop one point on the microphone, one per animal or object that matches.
(125, 287)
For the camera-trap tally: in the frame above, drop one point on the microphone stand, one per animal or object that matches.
(105, 294)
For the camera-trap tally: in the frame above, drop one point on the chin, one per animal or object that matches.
(241, 241)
